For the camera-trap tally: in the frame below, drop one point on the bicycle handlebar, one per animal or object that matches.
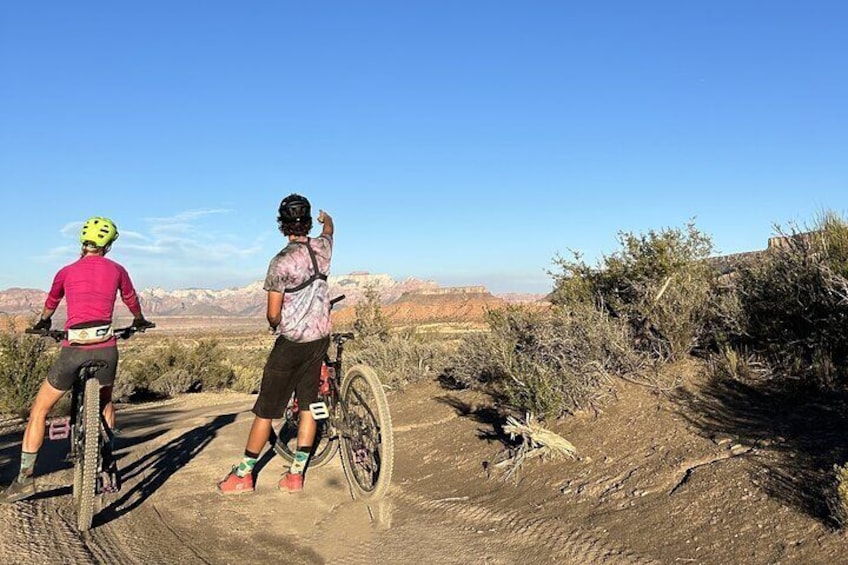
(120, 333)
(125, 333)
(58, 335)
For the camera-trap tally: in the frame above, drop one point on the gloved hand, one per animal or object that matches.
(43, 324)
(141, 323)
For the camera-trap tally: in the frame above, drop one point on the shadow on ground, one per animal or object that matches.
(155, 468)
(800, 435)
(486, 415)
(52, 456)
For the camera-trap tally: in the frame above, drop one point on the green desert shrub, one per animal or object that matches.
(549, 363)
(247, 366)
(369, 319)
(176, 368)
(795, 304)
(24, 361)
(401, 358)
(659, 283)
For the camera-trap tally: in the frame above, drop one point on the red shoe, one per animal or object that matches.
(291, 482)
(233, 484)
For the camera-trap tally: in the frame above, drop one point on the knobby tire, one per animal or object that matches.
(90, 455)
(367, 428)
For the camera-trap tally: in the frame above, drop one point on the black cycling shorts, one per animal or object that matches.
(65, 368)
(291, 367)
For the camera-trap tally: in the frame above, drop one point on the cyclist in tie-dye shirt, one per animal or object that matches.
(299, 308)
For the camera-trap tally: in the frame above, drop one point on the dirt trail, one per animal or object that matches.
(650, 487)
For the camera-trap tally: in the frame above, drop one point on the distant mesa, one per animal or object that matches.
(450, 290)
(410, 300)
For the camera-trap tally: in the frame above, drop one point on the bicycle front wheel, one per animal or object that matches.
(286, 443)
(88, 463)
(367, 444)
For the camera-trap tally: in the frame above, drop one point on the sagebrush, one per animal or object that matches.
(546, 362)
(660, 283)
(794, 304)
(175, 368)
(24, 361)
(403, 358)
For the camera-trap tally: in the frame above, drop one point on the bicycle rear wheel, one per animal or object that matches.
(367, 444)
(286, 443)
(89, 462)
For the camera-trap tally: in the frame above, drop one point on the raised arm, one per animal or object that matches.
(325, 219)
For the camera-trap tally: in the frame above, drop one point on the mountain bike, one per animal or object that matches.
(95, 468)
(352, 416)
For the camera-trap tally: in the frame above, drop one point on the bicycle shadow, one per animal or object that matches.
(486, 415)
(51, 457)
(54, 456)
(155, 468)
(799, 436)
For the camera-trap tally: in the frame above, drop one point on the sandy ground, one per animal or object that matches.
(677, 478)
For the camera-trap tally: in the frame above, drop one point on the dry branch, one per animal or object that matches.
(537, 441)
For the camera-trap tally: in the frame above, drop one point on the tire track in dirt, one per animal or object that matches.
(44, 531)
(563, 543)
(36, 532)
(486, 535)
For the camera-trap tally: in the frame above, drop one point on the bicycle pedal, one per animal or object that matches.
(319, 411)
(59, 428)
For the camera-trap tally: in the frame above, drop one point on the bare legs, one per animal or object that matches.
(46, 398)
(260, 431)
(107, 406)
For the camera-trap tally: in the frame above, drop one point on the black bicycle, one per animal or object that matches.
(352, 415)
(95, 468)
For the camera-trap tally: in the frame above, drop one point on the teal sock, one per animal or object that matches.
(301, 456)
(246, 466)
(27, 465)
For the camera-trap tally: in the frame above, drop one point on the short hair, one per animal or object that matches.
(294, 228)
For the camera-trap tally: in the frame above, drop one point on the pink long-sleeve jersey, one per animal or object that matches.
(90, 286)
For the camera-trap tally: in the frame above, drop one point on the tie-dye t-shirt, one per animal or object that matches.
(306, 313)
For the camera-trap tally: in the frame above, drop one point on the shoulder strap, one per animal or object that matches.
(316, 274)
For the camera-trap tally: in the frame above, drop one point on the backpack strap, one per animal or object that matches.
(316, 274)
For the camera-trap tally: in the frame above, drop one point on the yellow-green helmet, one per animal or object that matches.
(98, 231)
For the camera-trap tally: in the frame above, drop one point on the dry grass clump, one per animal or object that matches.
(738, 364)
(838, 501)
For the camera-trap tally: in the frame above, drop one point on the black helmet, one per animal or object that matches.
(295, 209)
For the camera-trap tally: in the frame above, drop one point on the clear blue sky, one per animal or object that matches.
(467, 142)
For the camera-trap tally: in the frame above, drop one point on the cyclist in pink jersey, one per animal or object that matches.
(89, 286)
